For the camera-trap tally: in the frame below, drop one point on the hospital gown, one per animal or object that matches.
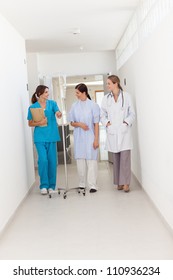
(87, 112)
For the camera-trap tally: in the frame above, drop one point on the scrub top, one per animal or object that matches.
(87, 112)
(49, 133)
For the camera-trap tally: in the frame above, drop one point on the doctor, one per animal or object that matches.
(117, 115)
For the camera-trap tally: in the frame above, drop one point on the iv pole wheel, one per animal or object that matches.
(65, 195)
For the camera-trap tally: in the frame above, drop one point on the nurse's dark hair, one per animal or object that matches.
(115, 79)
(39, 91)
(83, 88)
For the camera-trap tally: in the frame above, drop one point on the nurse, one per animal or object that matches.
(46, 134)
(117, 115)
(84, 116)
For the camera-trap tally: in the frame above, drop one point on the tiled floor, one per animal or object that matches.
(109, 224)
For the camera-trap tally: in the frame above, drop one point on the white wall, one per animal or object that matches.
(32, 70)
(76, 63)
(16, 160)
(47, 66)
(149, 78)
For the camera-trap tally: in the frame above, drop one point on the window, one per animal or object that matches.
(147, 16)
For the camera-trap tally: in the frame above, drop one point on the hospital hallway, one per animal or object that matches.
(109, 224)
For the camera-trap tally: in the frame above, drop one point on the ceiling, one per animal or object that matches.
(48, 26)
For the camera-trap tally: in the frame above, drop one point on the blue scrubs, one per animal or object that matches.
(45, 139)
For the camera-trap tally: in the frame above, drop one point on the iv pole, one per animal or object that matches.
(67, 189)
(64, 150)
(62, 89)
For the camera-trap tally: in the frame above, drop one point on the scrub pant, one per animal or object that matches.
(122, 167)
(47, 164)
(87, 171)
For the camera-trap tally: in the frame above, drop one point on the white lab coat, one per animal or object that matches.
(119, 136)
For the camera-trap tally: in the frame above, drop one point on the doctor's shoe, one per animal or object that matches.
(93, 190)
(43, 191)
(120, 187)
(126, 188)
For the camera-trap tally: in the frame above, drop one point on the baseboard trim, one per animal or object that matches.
(2, 232)
(166, 224)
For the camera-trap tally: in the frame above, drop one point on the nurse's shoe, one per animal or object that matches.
(126, 188)
(120, 187)
(43, 191)
(50, 190)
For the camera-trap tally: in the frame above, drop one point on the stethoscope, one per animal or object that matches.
(111, 95)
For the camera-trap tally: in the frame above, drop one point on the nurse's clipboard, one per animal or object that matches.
(37, 114)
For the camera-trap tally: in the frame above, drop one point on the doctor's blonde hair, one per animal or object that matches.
(115, 79)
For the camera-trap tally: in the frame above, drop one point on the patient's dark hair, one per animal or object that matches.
(83, 88)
